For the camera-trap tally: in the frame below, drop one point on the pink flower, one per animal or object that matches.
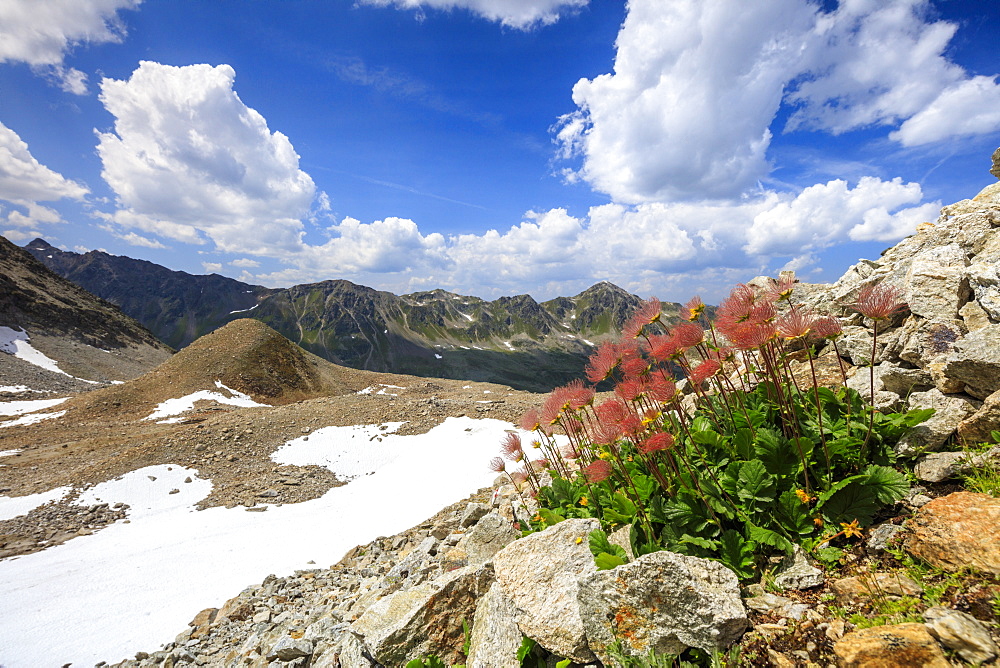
(693, 309)
(497, 465)
(511, 447)
(602, 362)
(659, 441)
(688, 334)
(530, 420)
(827, 328)
(879, 301)
(647, 313)
(796, 324)
(704, 371)
(599, 471)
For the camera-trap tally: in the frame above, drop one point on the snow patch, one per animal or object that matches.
(21, 407)
(349, 452)
(440, 357)
(17, 389)
(8, 453)
(34, 418)
(146, 577)
(172, 407)
(14, 506)
(16, 344)
(246, 310)
(507, 343)
(466, 316)
(589, 343)
(372, 389)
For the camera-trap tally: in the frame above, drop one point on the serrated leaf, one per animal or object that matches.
(775, 453)
(756, 484)
(888, 484)
(793, 515)
(737, 553)
(768, 537)
(856, 501)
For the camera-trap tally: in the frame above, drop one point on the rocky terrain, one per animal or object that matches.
(514, 341)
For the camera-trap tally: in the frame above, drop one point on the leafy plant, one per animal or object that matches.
(740, 459)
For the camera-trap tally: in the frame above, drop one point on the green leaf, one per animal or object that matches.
(793, 515)
(775, 453)
(599, 544)
(550, 518)
(756, 484)
(768, 537)
(699, 541)
(743, 443)
(889, 485)
(606, 562)
(916, 416)
(737, 553)
(527, 644)
(565, 663)
(856, 501)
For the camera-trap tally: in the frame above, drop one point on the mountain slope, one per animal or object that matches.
(514, 340)
(88, 337)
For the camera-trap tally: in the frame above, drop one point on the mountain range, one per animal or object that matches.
(514, 341)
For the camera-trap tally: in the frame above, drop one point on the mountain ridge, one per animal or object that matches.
(513, 340)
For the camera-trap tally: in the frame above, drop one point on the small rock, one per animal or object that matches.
(957, 531)
(289, 649)
(174, 491)
(268, 494)
(898, 646)
(961, 632)
(875, 585)
(881, 536)
(796, 572)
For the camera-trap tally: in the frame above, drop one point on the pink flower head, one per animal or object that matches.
(658, 441)
(530, 420)
(518, 477)
(663, 347)
(827, 327)
(879, 301)
(780, 289)
(688, 334)
(693, 309)
(569, 451)
(750, 335)
(634, 367)
(579, 395)
(661, 389)
(497, 465)
(796, 324)
(602, 362)
(704, 371)
(647, 313)
(630, 389)
(599, 471)
(511, 447)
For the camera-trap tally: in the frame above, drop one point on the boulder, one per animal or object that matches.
(898, 646)
(495, 636)
(426, 619)
(892, 382)
(664, 602)
(939, 466)
(540, 573)
(490, 535)
(949, 411)
(976, 362)
(936, 285)
(995, 169)
(977, 428)
(962, 633)
(958, 531)
(289, 649)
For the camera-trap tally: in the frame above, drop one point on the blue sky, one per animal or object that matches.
(493, 147)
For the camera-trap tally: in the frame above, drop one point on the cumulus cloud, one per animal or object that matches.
(189, 161)
(970, 107)
(688, 111)
(828, 213)
(41, 33)
(646, 248)
(24, 182)
(520, 14)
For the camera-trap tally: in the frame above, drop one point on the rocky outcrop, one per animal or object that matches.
(943, 351)
(664, 602)
(958, 531)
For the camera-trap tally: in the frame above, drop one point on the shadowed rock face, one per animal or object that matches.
(515, 341)
(995, 169)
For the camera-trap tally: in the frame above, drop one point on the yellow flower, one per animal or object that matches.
(803, 496)
(818, 521)
(579, 540)
(583, 501)
(851, 529)
(536, 445)
(537, 517)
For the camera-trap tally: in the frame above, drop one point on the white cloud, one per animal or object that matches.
(188, 160)
(521, 14)
(687, 111)
(24, 182)
(41, 33)
(211, 267)
(131, 238)
(245, 262)
(971, 107)
(23, 179)
(18, 236)
(829, 213)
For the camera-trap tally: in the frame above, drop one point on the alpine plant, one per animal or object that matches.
(709, 444)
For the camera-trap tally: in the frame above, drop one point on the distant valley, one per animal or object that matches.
(515, 341)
